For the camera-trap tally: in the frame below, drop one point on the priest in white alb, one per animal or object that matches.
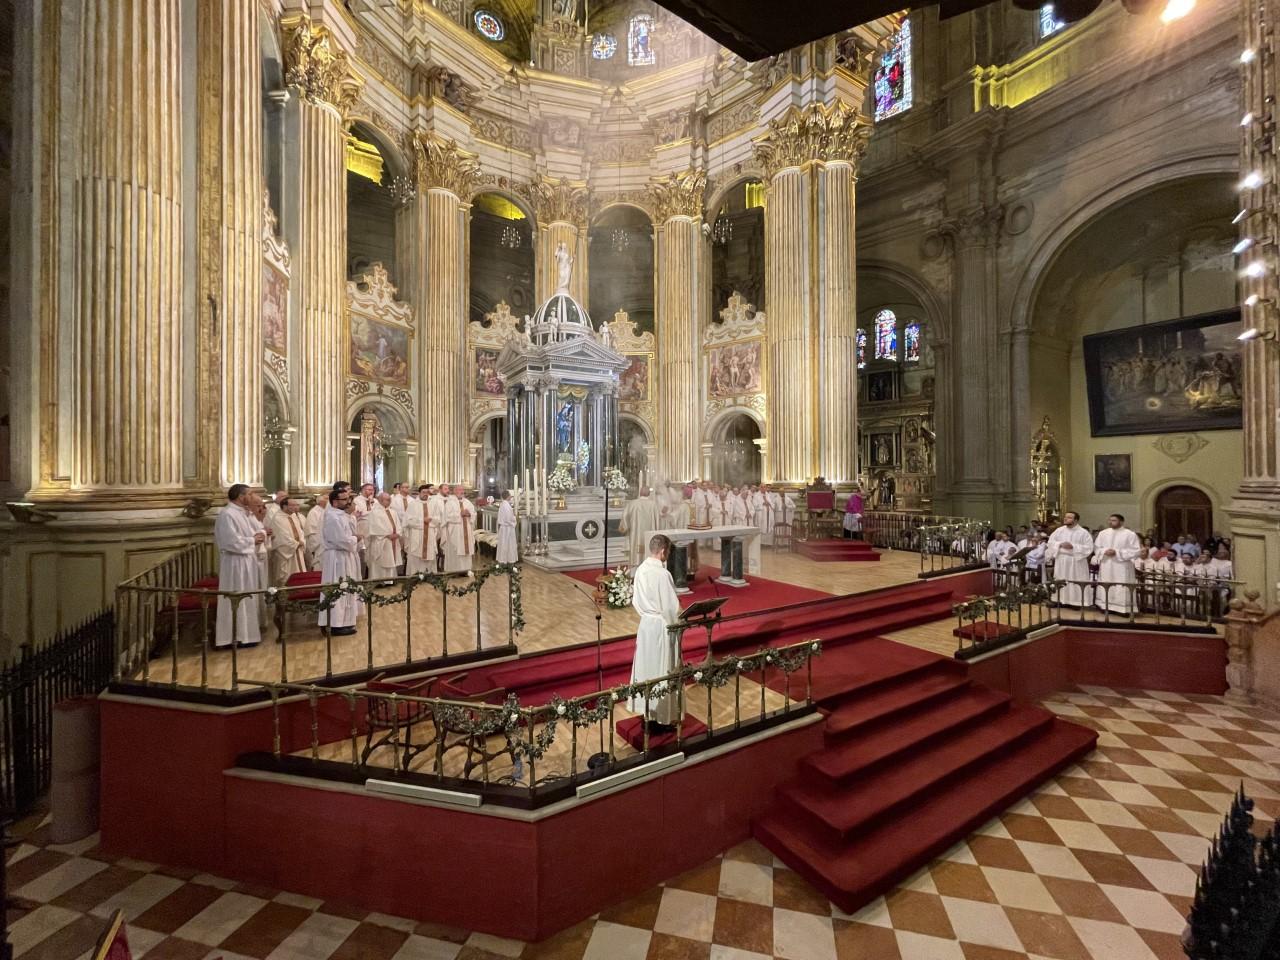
(412, 526)
(341, 561)
(382, 549)
(314, 526)
(458, 532)
(508, 552)
(237, 537)
(639, 520)
(288, 542)
(653, 596)
(1069, 549)
(1115, 550)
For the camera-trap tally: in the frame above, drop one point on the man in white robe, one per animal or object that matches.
(508, 551)
(382, 549)
(400, 501)
(288, 542)
(412, 527)
(1114, 549)
(639, 520)
(315, 528)
(1068, 550)
(657, 653)
(458, 532)
(237, 537)
(433, 531)
(1000, 550)
(341, 560)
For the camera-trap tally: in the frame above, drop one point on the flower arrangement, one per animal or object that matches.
(560, 479)
(618, 587)
(614, 480)
(583, 459)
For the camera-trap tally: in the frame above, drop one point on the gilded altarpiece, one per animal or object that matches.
(487, 390)
(379, 338)
(733, 371)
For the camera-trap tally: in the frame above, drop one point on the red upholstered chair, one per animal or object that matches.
(298, 600)
(190, 607)
(452, 720)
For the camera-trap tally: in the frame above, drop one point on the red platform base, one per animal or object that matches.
(836, 551)
(632, 731)
(982, 630)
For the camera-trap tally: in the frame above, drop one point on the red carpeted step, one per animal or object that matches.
(828, 551)
(858, 667)
(852, 874)
(859, 755)
(855, 715)
(842, 809)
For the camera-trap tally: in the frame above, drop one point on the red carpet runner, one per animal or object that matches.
(761, 594)
(837, 551)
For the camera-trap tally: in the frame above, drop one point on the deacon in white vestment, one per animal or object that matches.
(382, 549)
(1068, 550)
(639, 520)
(288, 542)
(412, 527)
(508, 552)
(653, 596)
(314, 526)
(238, 537)
(1115, 549)
(458, 533)
(341, 559)
(400, 501)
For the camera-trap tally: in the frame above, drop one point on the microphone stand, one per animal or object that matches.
(597, 761)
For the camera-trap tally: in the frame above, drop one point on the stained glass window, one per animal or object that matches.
(1049, 22)
(489, 25)
(603, 46)
(886, 326)
(862, 348)
(893, 78)
(911, 343)
(640, 52)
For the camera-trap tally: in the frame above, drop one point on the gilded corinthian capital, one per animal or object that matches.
(678, 195)
(559, 201)
(814, 133)
(443, 164)
(316, 66)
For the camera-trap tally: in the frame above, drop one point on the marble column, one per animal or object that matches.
(811, 157)
(560, 207)
(678, 270)
(231, 229)
(127, 287)
(1255, 510)
(446, 177)
(326, 88)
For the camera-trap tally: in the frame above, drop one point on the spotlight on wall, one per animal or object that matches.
(1242, 215)
(1253, 333)
(1243, 245)
(1247, 55)
(1246, 119)
(1255, 269)
(1252, 180)
(1176, 10)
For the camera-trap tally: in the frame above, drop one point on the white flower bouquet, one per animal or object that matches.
(614, 480)
(617, 588)
(560, 480)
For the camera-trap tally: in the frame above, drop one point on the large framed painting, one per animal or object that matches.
(733, 370)
(633, 385)
(379, 351)
(484, 376)
(1178, 376)
(275, 310)
(1112, 473)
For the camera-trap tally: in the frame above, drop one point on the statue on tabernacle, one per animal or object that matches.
(564, 268)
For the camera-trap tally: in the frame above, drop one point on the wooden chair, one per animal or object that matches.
(782, 537)
(390, 723)
(297, 600)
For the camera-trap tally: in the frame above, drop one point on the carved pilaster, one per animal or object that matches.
(814, 133)
(443, 165)
(316, 67)
(679, 195)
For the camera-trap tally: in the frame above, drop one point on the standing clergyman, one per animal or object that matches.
(508, 552)
(1068, 550)
(657, 653)
(382, 549)
(238, 537)
(341, 560)
(1115, 550)
(288, 542)
(639, 520)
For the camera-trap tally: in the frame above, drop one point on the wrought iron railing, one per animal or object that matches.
(954, 543)
(74, 663)
(523, 754)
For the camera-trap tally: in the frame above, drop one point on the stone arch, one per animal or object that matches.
(722, 418)
(388, 413)
(645, 430)
(1149, 497)
(607, 205)
(717, 197)
(912, 283)
(271, 381)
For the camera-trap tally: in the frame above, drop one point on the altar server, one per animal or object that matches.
(288, 543)
(411, 529)
(314, 526)
(1068, 550)
(657, 653)
(1000, 550)
(853, 514)
(341, 560)
(383, 546)
(639, 520)
(458, 532)
(508, 552)
(1114, 550)
(238, 538)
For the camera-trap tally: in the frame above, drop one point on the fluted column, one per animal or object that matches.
(678, 299)
(810, 157)
(446, 177)
(318, 72)
(560, 207)
(127, 287)
(231, 229)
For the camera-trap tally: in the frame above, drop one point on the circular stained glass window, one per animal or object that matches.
(489, 25)
(603, 46)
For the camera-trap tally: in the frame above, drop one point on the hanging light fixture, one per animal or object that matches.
(621, 239)
(722, 232)
(511, 238)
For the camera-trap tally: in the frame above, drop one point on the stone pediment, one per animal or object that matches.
(573, 360)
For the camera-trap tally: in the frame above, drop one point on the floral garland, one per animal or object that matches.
(560, 479)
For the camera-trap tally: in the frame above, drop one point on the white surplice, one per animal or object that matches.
(508, 552)
(314, 527)
(458, 534)
(639, 520)
(1117, 569)
(1070, 564)
(415, 517)
(382, 549)
(238, 570)
(657, 653)
(287, 547)
(341, 559)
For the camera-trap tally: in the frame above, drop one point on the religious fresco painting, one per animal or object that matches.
(633, 385)
(275, 310)
(484, 376)
(734, 370)
(379, 351)
(1182, 375)
(1112, 473)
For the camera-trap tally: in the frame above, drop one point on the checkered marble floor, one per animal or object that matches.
(1100, 863)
